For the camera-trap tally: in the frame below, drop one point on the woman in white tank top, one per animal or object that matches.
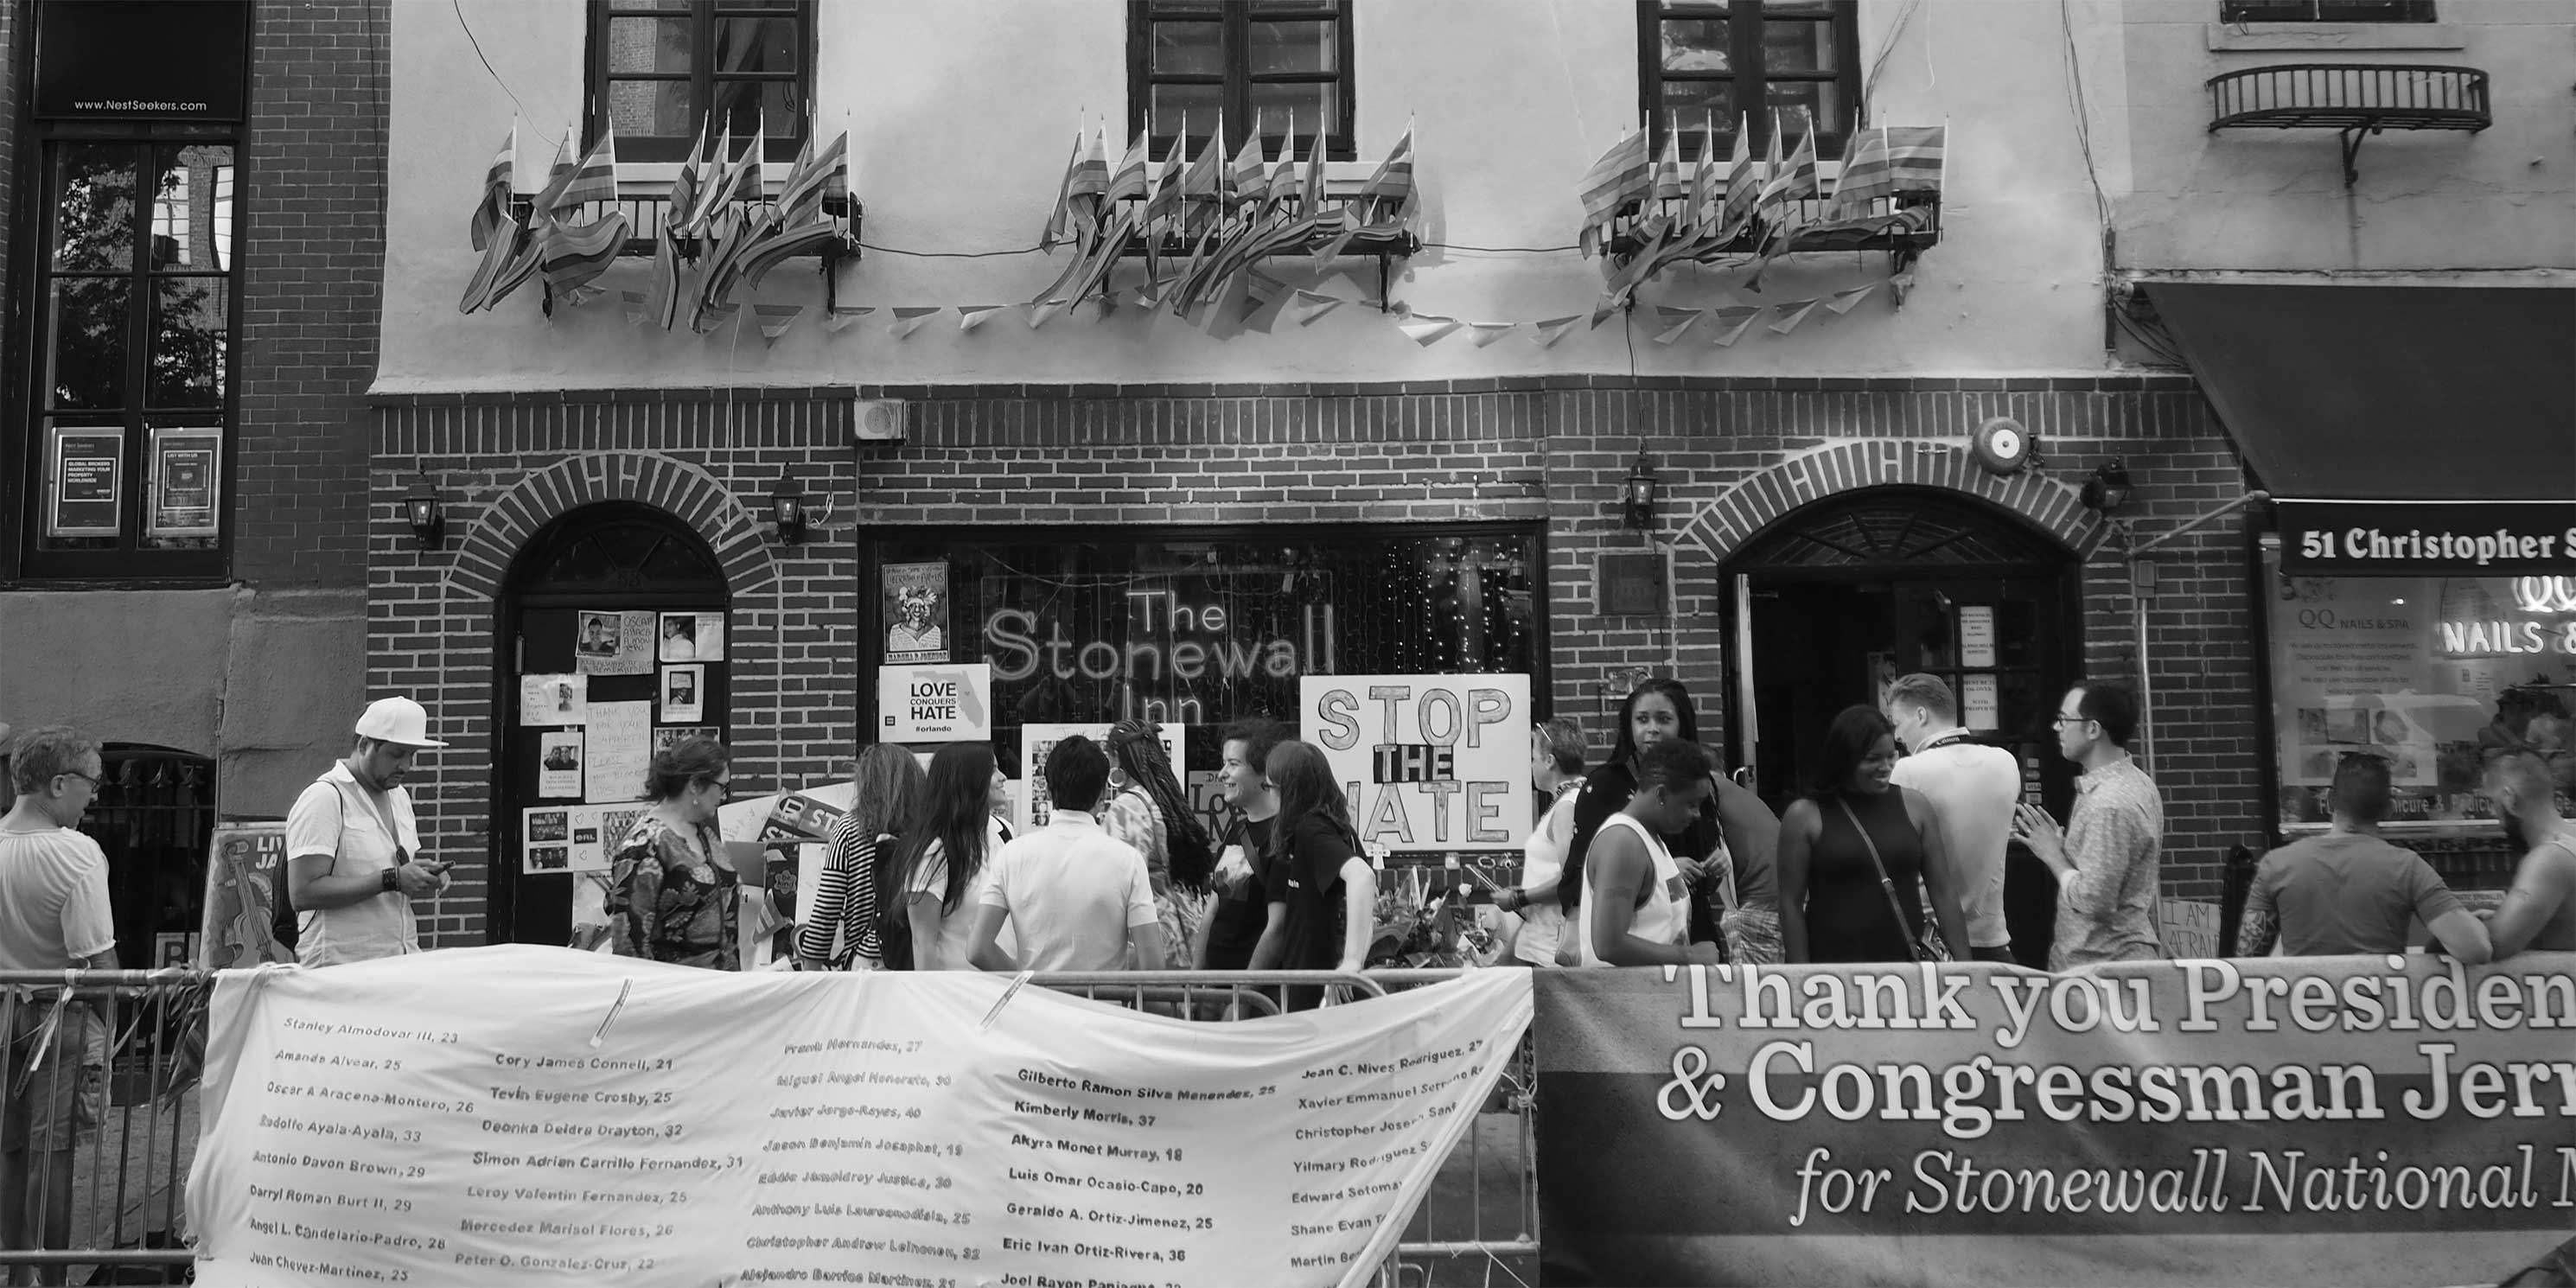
(1664, 918)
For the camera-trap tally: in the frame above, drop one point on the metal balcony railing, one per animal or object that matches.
(2356, 98)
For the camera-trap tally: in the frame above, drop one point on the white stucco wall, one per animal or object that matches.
(2500, 199)
(959, 114)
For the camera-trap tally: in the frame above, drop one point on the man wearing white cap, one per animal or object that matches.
(351, 841)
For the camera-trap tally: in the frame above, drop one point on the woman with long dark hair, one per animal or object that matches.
(1316, 872)
(840, 932)
(1859, 854)
(1147, 809)
(944, 855)
(1736, 828)
(673, 895)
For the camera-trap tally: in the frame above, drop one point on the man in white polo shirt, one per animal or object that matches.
(54, 916)
(1074, 895)
(352, 846)
(1973, 789)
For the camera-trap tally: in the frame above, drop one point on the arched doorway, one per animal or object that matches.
(631, 605)
(1839, 596)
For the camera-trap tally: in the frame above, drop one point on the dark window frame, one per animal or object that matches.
(1237, 80)
(1544, 576)
(1745, 21)
(24, 442)
(702, 16)
(2244, 11)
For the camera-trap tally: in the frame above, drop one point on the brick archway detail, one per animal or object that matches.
(685, 490)
(1738, 513)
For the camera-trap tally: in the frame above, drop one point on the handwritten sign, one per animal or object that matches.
(1427, 760)
(935, 703)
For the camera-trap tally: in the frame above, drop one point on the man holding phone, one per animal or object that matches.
(352, 842)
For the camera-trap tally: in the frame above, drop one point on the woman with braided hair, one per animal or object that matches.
(1147, 809)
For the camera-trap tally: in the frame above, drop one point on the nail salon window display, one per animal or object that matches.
(1095, 626)
(2436, 674)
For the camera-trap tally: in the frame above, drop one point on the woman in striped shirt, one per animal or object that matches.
(841, 931)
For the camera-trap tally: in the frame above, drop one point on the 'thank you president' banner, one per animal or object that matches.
(521, 1115)
(2354, 1120)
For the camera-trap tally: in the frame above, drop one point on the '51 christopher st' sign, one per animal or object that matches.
(2328, 537)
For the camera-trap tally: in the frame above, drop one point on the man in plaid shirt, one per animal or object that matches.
(2106, 859)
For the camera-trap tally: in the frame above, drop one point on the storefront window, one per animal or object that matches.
(1091, 627)
(2435, 674)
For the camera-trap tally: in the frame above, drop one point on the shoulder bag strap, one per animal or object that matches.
(384, 819)
(1725, 855)
(1881, 868)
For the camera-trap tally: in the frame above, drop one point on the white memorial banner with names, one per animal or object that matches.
(527, 1115)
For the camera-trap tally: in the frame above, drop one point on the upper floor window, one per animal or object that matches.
(1704, 64)
(1275, 65)
(131, 382)
(662, 70)
(2325, 11)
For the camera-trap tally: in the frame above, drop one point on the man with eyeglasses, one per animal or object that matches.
(2106, 859)
(351, 839)
(54, 915)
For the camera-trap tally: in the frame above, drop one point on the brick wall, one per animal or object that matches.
(312, 264)
(1731, 455)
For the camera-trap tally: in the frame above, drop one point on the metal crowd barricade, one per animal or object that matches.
(1478, 1224)
(121, 1050)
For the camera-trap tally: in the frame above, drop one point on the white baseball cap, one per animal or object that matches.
(397, 720)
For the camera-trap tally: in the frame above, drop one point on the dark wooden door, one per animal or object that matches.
(615, 560)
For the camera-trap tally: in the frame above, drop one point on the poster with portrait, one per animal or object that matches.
(559, 765)
(913, 605)
(605, 643)
(683, 694)
(1036, 740)
(545, 833)
(691, 637)
(553, 701)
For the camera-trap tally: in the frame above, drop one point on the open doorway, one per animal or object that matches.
(1836, 600)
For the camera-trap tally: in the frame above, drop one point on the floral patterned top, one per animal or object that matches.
(666, 903)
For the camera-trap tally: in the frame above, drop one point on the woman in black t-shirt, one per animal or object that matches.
(1316, 872)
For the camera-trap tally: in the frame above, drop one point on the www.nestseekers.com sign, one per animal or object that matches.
(2368, 1119)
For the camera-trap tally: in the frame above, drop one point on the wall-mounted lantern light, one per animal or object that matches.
(787, 509)
(426, 514)
(1637, 502)
(2108, 489)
